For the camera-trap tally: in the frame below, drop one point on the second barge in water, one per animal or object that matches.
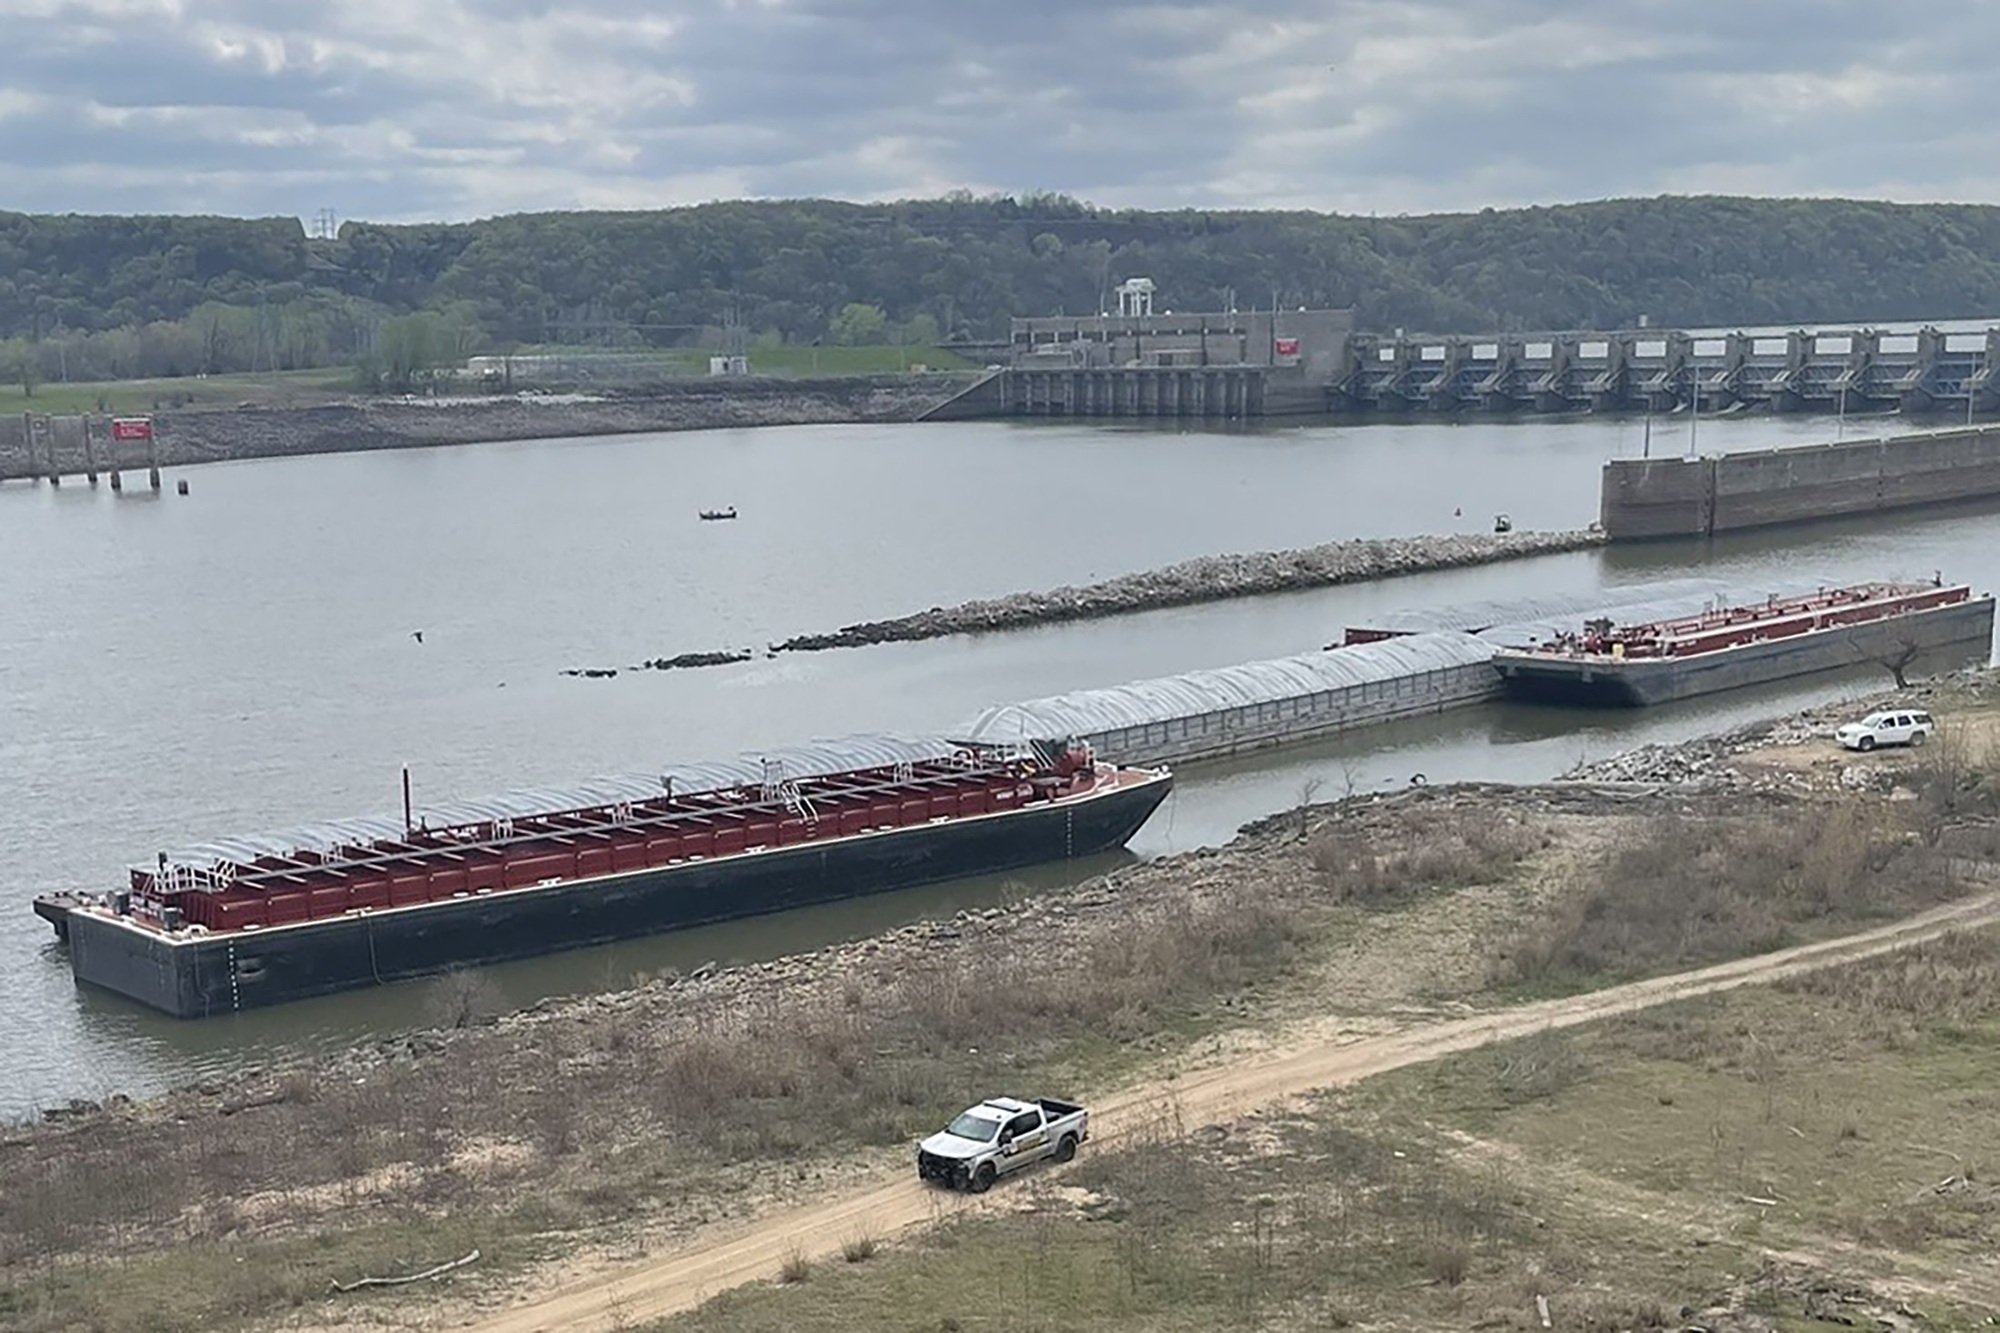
(1893, 624)
(261, 920)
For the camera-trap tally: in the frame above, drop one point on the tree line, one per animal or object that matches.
(116, 297)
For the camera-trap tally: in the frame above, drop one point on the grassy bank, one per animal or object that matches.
(302, 387)
(622, 1124)
(131, 397)
(1728, 1164)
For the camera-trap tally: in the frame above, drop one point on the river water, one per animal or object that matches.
(244, 658)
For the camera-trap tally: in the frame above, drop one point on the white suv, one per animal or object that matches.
(1891, 727)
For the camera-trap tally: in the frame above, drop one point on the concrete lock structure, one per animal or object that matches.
(1699, 497)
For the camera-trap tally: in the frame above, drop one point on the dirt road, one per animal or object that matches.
(685, 1279)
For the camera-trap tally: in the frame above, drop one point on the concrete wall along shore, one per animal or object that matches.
(1698, 497)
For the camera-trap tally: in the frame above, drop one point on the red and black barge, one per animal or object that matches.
(1887, 622)
(262, 920)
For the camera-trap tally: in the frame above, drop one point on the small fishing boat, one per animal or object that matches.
(718, 515)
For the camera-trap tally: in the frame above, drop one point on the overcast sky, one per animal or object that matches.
(400, 110)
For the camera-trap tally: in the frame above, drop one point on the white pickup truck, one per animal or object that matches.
(999, 1135)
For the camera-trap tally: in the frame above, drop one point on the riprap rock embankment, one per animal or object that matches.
(1207, 579)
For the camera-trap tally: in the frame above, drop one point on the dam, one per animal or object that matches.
(1232, 364)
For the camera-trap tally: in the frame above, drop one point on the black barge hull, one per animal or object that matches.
(1947, 636)
(190, 975)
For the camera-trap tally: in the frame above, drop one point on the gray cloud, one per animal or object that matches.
(460, 108)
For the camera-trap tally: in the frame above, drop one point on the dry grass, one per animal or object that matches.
(1432, 849)
(1323, 1221)
(674, 1107)
(1679, 892)
(1613, 1171)
(589, 1123)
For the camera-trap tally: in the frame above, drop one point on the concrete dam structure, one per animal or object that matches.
(1699, 497)
(1233, 364)
(1856, 370)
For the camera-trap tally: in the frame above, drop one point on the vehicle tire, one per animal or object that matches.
(1916, 738)
(1865, 744)
(982, 1179)
(1066, 1150)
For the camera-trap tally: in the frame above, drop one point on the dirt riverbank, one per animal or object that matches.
(570, 1143)
(199, 437)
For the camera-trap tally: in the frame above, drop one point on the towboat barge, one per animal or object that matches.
(262, 920)
(1888, 623)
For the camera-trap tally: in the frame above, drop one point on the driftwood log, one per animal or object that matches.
(428, 1275)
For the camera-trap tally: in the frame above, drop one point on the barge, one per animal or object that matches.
(1887, 623)
(263, 920)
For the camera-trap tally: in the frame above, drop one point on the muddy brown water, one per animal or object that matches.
(179, 668)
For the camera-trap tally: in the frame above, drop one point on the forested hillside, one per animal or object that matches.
(116, 296)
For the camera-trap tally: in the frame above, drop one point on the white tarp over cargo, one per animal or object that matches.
(1233, 708)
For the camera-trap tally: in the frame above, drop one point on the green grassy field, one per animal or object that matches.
(791, 361)
(309, 386)
(136, 396)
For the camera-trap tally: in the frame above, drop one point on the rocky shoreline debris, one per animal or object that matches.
(1214, 578)
(1717, 761)
(684, 661)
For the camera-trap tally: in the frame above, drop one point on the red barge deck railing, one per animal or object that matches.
(511, 854)
(1731, 627)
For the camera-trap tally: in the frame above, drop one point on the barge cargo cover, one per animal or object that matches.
(1255, 705)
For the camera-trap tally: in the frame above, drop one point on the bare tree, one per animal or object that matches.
(1898, 658)
(1307, 791)
(462, 997)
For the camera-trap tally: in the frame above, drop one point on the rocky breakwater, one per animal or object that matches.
(400, 423)
(1208, 579)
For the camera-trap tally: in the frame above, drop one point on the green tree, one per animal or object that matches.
(22, 363)
(858, 323)
(410, 350)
